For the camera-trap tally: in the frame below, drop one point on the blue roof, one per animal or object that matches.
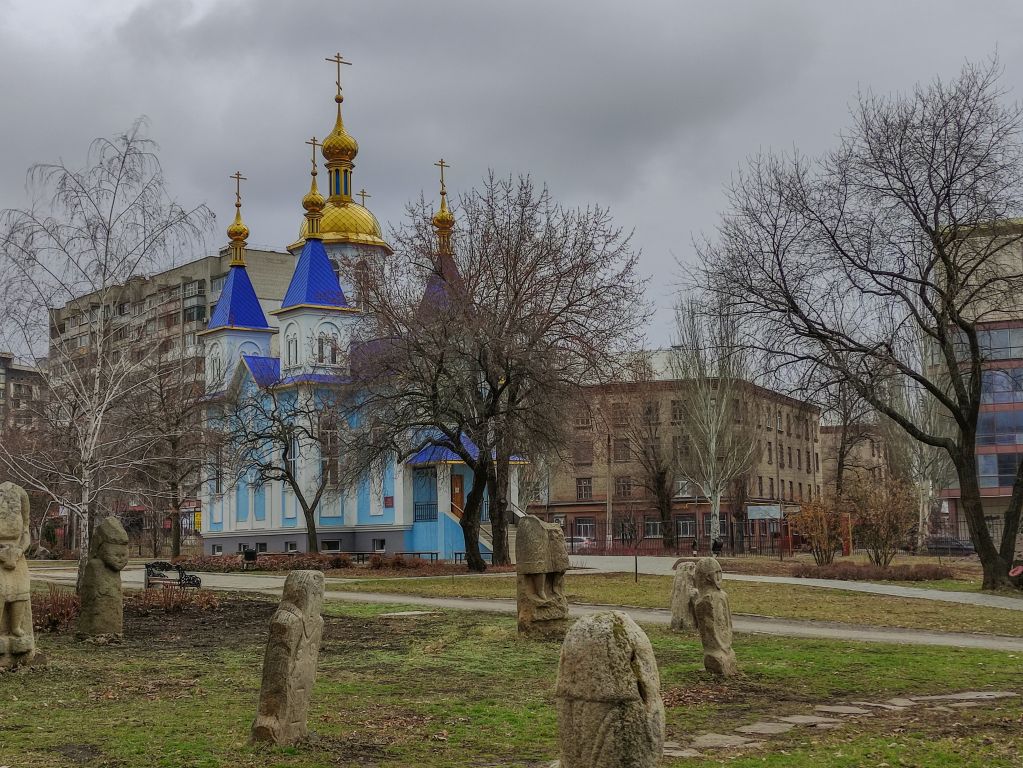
(314, 282)
(441, 454)
(266, 371)
(238, 306)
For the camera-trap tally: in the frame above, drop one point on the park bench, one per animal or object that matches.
(157, 573)
(460, 557)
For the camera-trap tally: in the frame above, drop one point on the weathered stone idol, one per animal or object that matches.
(610, 712)
(541, 560)
(289, 667)
(17, 642)
(714, 619)
(102, 613)
(683, 598)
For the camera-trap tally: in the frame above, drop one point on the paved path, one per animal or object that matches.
(662, 566)
(273, 583)
(754, 624)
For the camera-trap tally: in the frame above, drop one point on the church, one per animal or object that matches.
(414, 504)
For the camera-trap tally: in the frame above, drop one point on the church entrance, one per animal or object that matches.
(457, 494)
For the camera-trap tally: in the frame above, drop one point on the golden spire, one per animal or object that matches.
(238, 232)
(339, 148)
(313, 201)
(443, 220)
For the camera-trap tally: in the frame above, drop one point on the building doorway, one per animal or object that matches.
(457, 494)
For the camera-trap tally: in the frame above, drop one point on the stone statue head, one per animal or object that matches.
(708, 573)
(14, 515)
(303, 593)
(540, 547)
(110, 544)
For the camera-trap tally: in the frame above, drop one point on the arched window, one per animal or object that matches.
(291, 346)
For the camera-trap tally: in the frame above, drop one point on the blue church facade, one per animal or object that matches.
(409, 506)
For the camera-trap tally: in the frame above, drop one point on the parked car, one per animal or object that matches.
(577, 543)
(949, 545)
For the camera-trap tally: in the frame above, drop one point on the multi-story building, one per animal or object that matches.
(603, 480)
(168, 310)
(20, 392)
(860, 448)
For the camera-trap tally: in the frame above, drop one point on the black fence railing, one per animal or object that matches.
(424, 512)
(746, 539)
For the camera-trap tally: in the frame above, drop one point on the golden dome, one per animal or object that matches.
(238, 232)
(346, 222)
(339, 146)
(313, 201)
(443, 219)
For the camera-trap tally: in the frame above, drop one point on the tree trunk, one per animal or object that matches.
(715, 516)
(499, 488)
(996, 569)
(312, 542)
(84, 530)
(669, 539)
(470, 520)
(175, 521)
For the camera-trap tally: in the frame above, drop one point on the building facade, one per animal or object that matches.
(601, 492)
(859, 448)
(21, 393)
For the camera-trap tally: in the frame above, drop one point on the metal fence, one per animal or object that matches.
(628, 537)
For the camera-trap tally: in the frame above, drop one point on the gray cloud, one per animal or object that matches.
(644, 107)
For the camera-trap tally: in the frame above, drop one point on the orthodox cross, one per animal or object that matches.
(363, 194)
(442, 165)
(339, 60)
(314, 144)
(238, 179)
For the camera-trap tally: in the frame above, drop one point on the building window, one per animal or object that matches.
(292, 348)
(291, 546)
(799, 458)
(195, 314)
(651, 413)
(790, 455)
(778, 421)
(817, 461)
(623, 487)
(792, 495)
(242, 547)
(217, 284)
(217, 549)
(621, 449)
(582, 452)
(800, 491)
(677, 413)
(685, 526)
(583, 420)
(585, 527)
(683, 488)
(379, 545)
(293, 457)
(781, 456)
(652, 528)
(261, 546)
(788, 424)
(760, 486)
(680, 445)
(770, 454)
(331, 545)
(583, 488)
(770, 490)
(620, 414)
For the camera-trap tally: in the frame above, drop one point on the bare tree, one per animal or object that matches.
(883, 261)
(713, 371)
(884, 511)
(525, 303)
(86, 233)
(293, 435)
(853, 419)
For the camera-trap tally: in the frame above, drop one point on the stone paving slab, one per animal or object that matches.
(722, 741)
(902, 702)
(765, 728)
(880, 705)
(682, 752)
(841, 709)
(969, 696)
(808, 720)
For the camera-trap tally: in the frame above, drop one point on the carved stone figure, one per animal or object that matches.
(610, 712)
(102, 613)
(289, 667)
(541, 560)
(714, 619)
(683, 597)
(17, 642)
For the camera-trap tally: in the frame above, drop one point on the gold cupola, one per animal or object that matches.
(237, 232)
(443, 219)
(343, 220)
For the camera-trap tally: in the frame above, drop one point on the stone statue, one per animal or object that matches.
(17, 642)
(541, 560)
(102, 614)
(683, 597)
(610, 712)
(714, 619)
(289, 666)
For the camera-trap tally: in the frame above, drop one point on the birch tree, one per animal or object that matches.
(713, 370)
(85, 233)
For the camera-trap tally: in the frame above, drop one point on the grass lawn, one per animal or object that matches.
(462, 689)
(777, 600)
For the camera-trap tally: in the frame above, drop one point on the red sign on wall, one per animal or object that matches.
(388, 502)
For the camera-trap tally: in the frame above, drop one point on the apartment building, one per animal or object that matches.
(168, 310)
(861, 450)
(604, 478)
(21, 392)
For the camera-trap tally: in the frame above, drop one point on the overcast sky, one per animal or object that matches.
(646, 107)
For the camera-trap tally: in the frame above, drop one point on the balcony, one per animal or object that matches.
(424, 512)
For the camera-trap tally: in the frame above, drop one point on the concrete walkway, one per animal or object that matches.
(273, 583)
(661, 566)
(753, 624)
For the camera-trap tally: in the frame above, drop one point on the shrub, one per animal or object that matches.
(170, 600)
(55, 610)
(820, 525)
(884, 512)
(863, 572)
(376, 561)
